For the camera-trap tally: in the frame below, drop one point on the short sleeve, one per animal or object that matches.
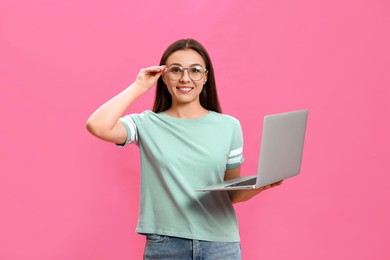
(236, 157)
(131, 127)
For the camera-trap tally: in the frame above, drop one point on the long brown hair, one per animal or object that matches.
(208, 97)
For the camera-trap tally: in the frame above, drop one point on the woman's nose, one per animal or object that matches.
(185, 76)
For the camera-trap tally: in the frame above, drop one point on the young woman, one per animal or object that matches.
(185, 144)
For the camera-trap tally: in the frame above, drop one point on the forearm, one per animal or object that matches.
(244, 195)
(240, 195)
(237, 196)
(104, 123)
(105, 117)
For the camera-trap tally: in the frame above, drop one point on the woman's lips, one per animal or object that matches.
(184, 89)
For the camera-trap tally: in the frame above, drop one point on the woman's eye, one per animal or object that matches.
(195, 70)
(176, 70)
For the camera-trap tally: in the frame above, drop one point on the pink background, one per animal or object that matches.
(66, 195)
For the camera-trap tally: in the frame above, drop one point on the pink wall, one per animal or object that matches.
(66, 195)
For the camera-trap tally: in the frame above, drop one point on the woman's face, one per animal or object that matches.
(185, 76)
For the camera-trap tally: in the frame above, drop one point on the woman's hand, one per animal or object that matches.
(148, 77)
(270, 186)
(244, 195)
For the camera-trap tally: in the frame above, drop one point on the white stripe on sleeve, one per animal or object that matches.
(235, 156)
(132, 136)
(235, 152)
(234, 160)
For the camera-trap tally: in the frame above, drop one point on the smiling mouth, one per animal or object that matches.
(184, 90)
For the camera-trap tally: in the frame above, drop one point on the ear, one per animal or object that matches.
(163, 78)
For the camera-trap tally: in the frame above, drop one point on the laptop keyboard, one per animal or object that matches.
(244, 183)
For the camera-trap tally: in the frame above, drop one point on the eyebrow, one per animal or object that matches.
(178, 64)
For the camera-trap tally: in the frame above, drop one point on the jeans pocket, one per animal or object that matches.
(155, 238)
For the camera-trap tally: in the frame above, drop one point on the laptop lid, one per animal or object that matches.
(281, 146)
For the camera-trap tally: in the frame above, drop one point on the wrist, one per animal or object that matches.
(138, 88)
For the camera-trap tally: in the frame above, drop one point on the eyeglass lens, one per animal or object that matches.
(177, 72)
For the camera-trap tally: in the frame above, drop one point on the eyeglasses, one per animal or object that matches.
(175, 72)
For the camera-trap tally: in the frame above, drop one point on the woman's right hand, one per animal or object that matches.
(148, 77)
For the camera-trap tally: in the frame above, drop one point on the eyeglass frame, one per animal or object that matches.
(183, 69)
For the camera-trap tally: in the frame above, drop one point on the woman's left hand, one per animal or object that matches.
(271, 185)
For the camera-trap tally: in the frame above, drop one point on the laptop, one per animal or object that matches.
(280, 153)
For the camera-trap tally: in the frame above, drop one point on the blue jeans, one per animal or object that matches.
(165, 247)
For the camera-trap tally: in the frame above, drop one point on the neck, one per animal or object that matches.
(188, 111)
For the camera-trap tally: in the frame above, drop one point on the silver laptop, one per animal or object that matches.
(280, 153)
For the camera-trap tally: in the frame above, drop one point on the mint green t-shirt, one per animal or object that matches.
(179, 156)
